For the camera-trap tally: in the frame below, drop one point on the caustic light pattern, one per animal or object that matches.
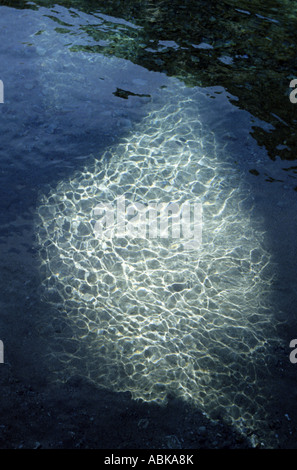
(145, 315)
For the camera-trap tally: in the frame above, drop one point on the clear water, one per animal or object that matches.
(87, 118)
(156, 318)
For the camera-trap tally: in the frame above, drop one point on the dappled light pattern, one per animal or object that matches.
(146, 315)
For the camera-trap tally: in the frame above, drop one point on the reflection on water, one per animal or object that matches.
(144, 315)
(246, 46)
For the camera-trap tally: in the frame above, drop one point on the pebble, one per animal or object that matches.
(143, 423)
(202, 430)
(173, 442)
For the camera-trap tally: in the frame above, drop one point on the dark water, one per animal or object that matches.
(158, 102)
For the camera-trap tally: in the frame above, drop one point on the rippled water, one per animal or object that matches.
(95, 114)
(147, 315)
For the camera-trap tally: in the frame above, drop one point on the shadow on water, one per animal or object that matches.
(54, 132)
(79, 415)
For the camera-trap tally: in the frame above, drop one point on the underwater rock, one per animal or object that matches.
(148, 315)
